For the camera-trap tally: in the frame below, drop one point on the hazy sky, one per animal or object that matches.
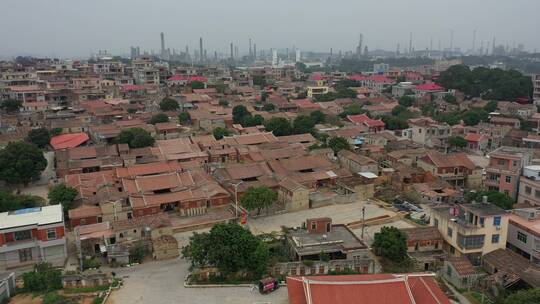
(75, 27)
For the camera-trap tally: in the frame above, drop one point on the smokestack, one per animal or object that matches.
(200, 49)
(162, 43)
(232, 51)
(255, 51)
(250, 51)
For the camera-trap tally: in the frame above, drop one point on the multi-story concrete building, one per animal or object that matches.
(529, 186)
(455, 168)
(524, 233)
(536, 87)
(504, 169)
(471, 230)
(32, 235)
(430, 133)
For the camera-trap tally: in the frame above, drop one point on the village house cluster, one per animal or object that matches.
(190, 177)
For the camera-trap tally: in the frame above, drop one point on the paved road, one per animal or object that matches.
(161, 282)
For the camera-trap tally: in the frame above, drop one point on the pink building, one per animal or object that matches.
(504, 169)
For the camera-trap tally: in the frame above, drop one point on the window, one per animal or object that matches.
(25, 255)
(528, 190)
(313, 226)
(436, 223)
(482, 220)
(23, 235)
(522, 237)
(470, 241)
(328, 226)
(495, 239)
(464, 281)
(537, 193)
(496, 221)
(508, 179)
(449, 232)
(51, 234)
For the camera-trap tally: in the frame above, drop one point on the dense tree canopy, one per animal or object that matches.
(494, 197)
(318, 116)
(224, 103)
(269, 107)
(62, 194)
(394, 122)
(10, 201)
(527, 296)
(135, 138)
(352, 109)
(406, 101)
(39, 137)
(251, 121)
(158, 118)
(230, 248)
(391, 243)
(338, 143)
(303, 124)
(168, 104)
(197, 85)
(239, 113)
(11, 105)
(457, 142)
(219, 133)
(279, 126)
(184, 118)
(258, 198)
(21, 162)
(496, 84)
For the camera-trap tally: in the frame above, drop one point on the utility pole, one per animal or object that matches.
(363, 220)
(236, 199)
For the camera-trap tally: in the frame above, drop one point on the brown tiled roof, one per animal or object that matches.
(449, 160)
(462, 265)
(422, 234)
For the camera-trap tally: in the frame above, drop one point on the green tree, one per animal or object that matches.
(10, 201)
(494, 197)
(168, 104)
(184, 118)
(474, 116)
(451, 119)
(303, 124)
(239, 113)
(44, 277)
(257, 198)
(527, 296)
(450, 99)
(219, 133)
(135, 138)
(11, 105)
(318, 116)
(39, 137)
(269, 107)
(391, 243)
(197, 85)
(62, 194)
(491, 106)
(352, 109)
(55, 298)
(338, 143)
(56, 131)
(137, 253)
(457, 142)
(279, 126)
(224, 103)
(158, 118)
(251, 121)
(406, 101)
(230, 248)
(395, 123)
(21, 162)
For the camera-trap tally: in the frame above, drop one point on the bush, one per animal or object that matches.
(159, 118)
(168, 104)
(43, 278)
(91, 263)
(308, 263)
(54, 298)
(137, 253)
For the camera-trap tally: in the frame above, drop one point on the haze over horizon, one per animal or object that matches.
(75, 28)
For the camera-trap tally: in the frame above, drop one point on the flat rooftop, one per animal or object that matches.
(31, 216)
(339, 239)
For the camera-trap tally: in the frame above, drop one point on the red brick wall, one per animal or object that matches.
(320, 225)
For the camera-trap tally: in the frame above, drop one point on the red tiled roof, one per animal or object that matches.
(65, 141)
(132, 87)
(380, 79)
(462, 265)
(474, 137)
(316, 77)
(306, 104)
(360, 118)
(187, 78)
(365, 289)
(357, 77)
(429, 87)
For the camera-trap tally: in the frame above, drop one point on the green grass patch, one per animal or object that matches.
(86, 289)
